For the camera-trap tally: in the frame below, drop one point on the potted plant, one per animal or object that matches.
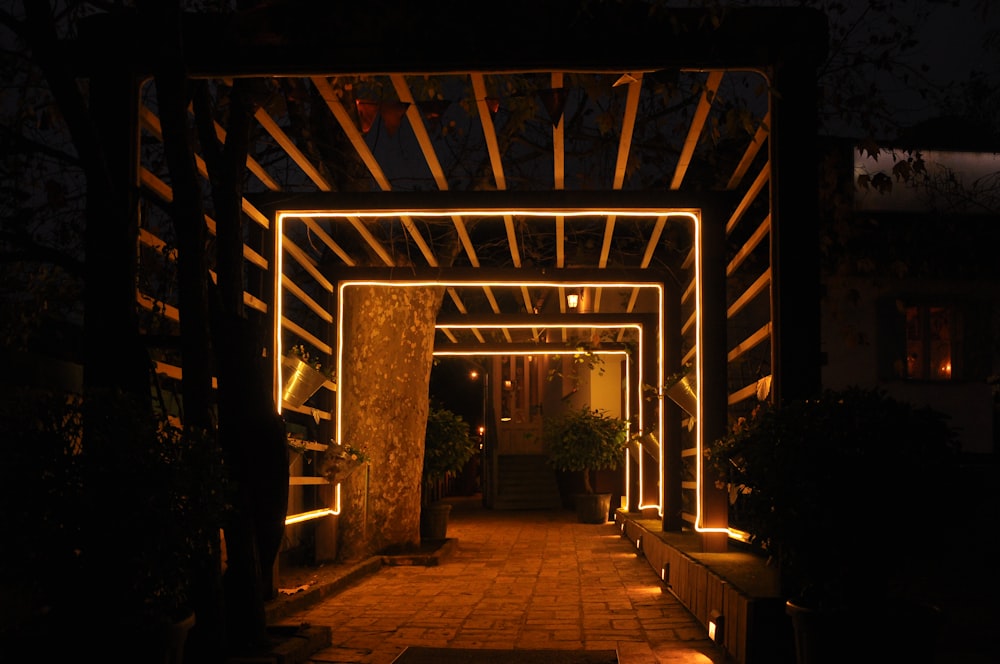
(586, 441)
(303, 375)
(832, 490)
(682, 387)
(447, 448)
(341, 461)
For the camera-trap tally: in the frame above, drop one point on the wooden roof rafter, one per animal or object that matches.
(621, 166)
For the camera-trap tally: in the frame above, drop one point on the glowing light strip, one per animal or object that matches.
(692, 214)
(700, 407)
(572, 351)
(279, 309)
(492, 212)
(308, 516)
(520, 326)
(513, 283)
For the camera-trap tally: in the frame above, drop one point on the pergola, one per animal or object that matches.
(659, 166)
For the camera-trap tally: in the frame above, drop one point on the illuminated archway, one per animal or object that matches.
(353, 216)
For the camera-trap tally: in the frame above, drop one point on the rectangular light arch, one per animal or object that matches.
(353, 213)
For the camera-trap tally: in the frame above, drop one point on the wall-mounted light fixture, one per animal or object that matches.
(716, 626)
(572, 299)
(665, 573)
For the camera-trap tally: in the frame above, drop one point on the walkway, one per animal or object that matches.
(516, 580)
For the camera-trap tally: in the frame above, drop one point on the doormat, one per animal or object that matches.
(423, 655)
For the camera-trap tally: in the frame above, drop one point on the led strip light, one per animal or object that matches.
(344, 215)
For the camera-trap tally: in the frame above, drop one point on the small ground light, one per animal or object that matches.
(665, 573)
(716, 626)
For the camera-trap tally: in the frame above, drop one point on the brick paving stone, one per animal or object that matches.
(524, 580)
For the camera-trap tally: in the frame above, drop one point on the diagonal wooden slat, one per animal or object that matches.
(164, 191)
(151, 123)
(752, 242)
(763, 131)
(697, 125)
(307, 263)
(755, 188)
(305, 299)
(325, 238)
(292, 150)
(621, 166)
(368, 157)
(434, 164)
(489, 131)
(647, 257)
(493, 149)
(296, 155)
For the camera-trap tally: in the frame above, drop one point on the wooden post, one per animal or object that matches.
(713, 387)
(672, 443)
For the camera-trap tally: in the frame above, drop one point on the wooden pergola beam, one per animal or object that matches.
(511, 348)
(473, 276)
(447, 203)
(545, 320)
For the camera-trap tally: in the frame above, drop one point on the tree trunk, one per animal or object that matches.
(385, 378)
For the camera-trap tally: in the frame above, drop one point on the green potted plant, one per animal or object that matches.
(832, 490)
(447, 448)
(586, 441)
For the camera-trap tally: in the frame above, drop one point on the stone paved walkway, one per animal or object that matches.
(516, 580)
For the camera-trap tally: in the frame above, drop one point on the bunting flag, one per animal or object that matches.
(554, 100)
(625, 79)
(392, 114)
(367, 110)
(432, 111)
(493, 104)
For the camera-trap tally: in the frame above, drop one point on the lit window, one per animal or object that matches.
(933, 335)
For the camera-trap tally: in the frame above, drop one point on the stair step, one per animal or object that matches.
(526, 481)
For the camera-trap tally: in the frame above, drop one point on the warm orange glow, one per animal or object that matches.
(493, 212)
(653, 214)
(308, 516)
(568, 351)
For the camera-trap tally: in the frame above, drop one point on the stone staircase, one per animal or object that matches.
(525, 482)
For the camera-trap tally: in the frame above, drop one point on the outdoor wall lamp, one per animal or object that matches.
(716, 626)
(665, 573)
(572, 300)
